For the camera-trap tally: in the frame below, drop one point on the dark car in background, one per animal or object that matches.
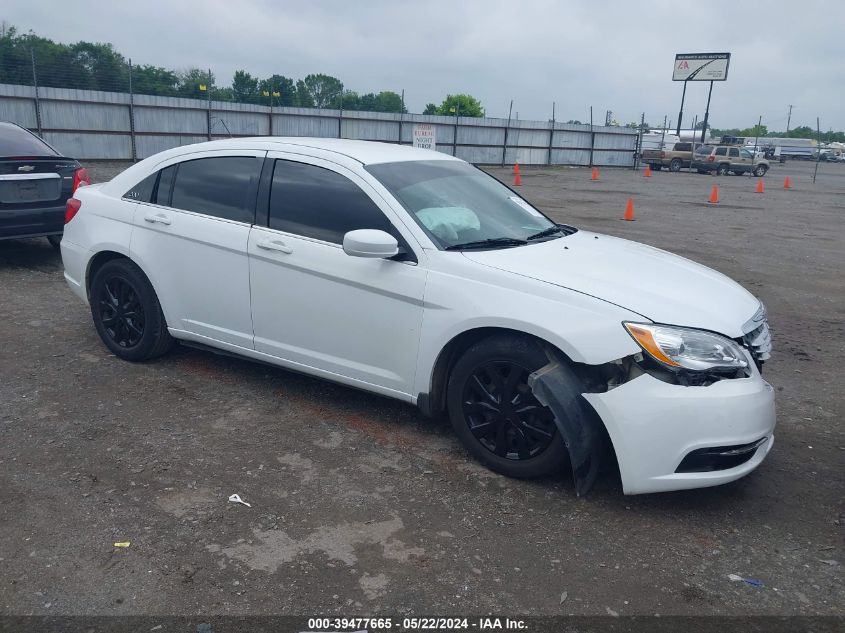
(35, 183)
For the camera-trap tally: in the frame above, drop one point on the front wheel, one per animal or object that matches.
(760, 170)
(494, 412)
(127, 313)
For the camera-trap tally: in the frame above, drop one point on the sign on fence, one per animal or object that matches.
(424, 135)
(701, 67)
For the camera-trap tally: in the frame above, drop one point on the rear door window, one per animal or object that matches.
(143, 191)
(721, 151)
(734, 152)
(223, 187)
(321, 204)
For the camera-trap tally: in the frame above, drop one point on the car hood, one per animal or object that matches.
(660, 286)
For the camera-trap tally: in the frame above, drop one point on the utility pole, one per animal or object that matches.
(132, 116)
(37, 100)
(788, 119)
(507, 131)
(757, 137)
(208, 102)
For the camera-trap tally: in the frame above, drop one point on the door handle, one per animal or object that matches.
(159, 218)
(274, 245)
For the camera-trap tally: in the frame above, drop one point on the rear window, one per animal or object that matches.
(16, 141)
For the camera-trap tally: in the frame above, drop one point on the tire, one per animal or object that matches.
(492, 368)
(723, 169)
(675, 165)
(760, 170)
(126, 312)
(55, 241)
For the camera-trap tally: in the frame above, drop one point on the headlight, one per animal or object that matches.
(684, 348)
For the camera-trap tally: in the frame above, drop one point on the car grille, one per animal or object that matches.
(759, 343)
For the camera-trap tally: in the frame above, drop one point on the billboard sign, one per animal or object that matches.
(424, 135)
(701, 67)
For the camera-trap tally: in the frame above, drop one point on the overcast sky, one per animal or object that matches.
(613, 55)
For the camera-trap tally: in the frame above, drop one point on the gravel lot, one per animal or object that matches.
(361, 505)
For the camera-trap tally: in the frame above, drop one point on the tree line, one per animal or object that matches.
(98, 66)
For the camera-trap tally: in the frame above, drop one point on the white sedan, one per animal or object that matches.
(411, 274)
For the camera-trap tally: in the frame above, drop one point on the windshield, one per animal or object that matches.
(459, 205)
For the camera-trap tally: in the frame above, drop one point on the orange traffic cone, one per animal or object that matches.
(760, 186)
(595, 174)
(517, 178)
(629, 211)
(786, 184)
(714, 195)
(647, 170)
(516, 167)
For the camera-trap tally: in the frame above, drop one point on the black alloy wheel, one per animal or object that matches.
(127, 313)
(496, 415)
(121, 312)
(503, 414)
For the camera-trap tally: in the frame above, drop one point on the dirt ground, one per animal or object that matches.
(362, 506)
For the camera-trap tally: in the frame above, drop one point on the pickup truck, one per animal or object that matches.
(674, 156)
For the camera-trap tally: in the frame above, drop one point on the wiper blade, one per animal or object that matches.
(557, 228)
(492, 242)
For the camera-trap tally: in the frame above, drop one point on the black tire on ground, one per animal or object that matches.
(126, 312)
(494, 412)
(55, 241)
(675, 164)
(723, 169)
(760, 170)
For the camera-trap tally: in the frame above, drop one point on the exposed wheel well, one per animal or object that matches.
(96, 263)
(434, 402)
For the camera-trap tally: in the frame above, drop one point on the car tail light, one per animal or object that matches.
(71, 207)
(80, 178)
(662, 154)
(710, 159)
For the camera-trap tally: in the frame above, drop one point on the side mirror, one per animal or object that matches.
(370, 243)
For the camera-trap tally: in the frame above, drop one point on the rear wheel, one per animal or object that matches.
(494, 412)
(127, 313)
(723, 169)
(675, 164)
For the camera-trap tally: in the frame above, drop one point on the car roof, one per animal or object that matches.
(365, 152)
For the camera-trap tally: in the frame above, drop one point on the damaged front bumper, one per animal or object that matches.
(655, 425)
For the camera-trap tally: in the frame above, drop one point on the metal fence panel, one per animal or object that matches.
(170, 120)
(70, 115)
(20, 111)
(299, 125)
(91, 146)
(149, 145)
(92, 124)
